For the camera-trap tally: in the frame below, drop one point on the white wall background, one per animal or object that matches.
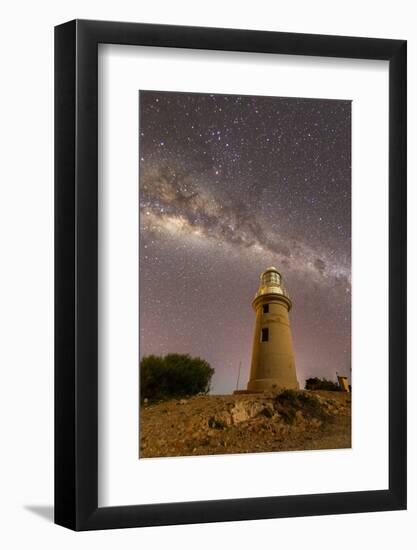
(26, 274)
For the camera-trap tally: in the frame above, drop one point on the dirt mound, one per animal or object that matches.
(220, 424)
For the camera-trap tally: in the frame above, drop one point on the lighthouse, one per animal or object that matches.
(273, 364)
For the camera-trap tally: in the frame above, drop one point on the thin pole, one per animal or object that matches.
(238, 376)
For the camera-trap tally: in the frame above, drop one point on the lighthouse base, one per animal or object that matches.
(247, 392)
(271, 384)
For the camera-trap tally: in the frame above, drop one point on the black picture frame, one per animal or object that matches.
(76, 272)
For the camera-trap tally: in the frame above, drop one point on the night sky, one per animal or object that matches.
(230, 185)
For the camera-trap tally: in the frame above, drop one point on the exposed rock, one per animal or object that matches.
(244, 410)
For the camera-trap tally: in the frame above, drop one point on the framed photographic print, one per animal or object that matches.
(230, 251)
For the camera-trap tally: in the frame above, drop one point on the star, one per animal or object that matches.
(231, 185)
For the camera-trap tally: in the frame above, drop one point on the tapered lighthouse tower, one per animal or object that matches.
(273, 364)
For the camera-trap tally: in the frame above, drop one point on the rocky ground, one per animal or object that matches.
(246, 423)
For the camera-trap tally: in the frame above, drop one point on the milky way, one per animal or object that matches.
(230, 185)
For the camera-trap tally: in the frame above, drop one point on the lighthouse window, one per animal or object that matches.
(265, 335)
(266, 308)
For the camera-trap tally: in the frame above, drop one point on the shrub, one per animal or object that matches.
(288, 402)
(321, 384)
(216, 423)
(173, 375)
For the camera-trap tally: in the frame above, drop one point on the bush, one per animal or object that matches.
(173, 375)
(216, 423)
(321, 384)
(288, 402)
